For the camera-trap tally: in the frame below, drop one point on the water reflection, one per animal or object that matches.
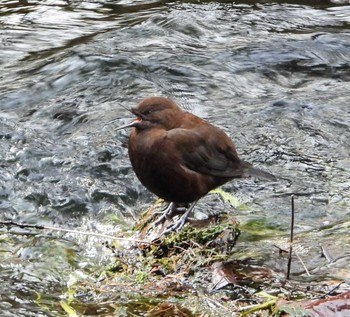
(273, 75)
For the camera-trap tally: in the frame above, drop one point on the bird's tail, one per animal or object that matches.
(258, 173)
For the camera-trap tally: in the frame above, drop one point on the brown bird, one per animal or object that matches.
(180, 157)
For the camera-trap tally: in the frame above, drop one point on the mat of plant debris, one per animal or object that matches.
(200, 271)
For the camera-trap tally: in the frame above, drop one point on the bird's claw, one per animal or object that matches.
(166, 215)
(178, 225)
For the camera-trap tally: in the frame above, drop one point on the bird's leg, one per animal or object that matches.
(181, 222)
(168, 213)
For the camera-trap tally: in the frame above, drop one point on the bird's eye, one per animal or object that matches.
(147, 112)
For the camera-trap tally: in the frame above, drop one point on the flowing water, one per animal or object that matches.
(274, 75)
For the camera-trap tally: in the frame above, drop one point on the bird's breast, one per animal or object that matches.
(159, 166)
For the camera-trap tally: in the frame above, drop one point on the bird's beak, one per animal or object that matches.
(129, 125)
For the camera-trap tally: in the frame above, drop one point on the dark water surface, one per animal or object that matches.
(274, 75)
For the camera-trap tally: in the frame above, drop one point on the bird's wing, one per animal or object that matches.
(212, 154)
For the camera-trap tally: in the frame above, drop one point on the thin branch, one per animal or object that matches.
(333, 289)
(291, 238)
(280, 250)
(39, 227)
(326, 254)
(302, 263)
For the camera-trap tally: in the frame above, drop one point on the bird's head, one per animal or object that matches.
(155, 112)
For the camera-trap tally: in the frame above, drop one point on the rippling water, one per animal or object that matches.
(273, 75)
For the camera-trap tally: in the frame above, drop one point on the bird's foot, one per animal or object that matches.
(178, 225)
(168, 213)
